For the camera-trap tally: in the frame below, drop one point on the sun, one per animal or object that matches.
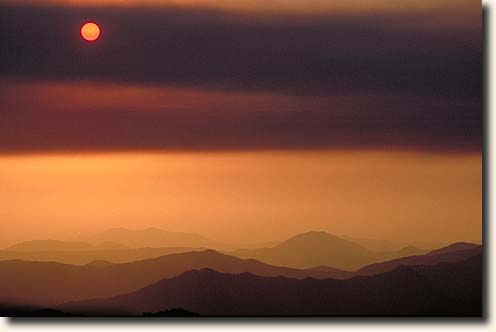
(90, 31)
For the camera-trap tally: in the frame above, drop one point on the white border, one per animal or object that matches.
(357, 324)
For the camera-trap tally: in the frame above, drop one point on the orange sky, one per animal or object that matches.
(244, 197)
(386, 147)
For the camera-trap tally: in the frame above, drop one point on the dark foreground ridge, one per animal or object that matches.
(176, 312)
(446, 289)
(38, 283)
(29, 311)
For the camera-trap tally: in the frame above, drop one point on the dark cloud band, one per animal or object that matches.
(321, 55)
(437, 68)
(308, 123)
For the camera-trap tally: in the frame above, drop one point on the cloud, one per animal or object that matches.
(252, 81)
(420, 53)
(94, 117)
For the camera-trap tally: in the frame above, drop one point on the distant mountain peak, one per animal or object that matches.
(315, 233)
(319, 239)
(312, 236)
(311, 249)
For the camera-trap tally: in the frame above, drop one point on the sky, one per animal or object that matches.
(242, 120)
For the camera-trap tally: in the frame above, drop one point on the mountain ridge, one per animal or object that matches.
(302, 251)
(49, 245)
(319, 248)
(412, 290)
(49, 283)
(152, 237)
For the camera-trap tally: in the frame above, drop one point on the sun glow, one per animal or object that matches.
(90, 31)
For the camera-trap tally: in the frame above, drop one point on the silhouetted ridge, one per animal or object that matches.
(175, 312)
(448, 289)
(40, 283)
(107, 252)
(207, 273)
(31, 311)
(432, 258)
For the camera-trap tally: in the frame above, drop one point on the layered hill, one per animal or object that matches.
(453, 253)
(86, 256)
(305, 250)
(455, 247)
(50, 283)
(389, 245)
(314, 249)
(153, 238)
(55, 246)
(446, 289)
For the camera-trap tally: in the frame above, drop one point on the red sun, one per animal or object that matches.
(90, 31)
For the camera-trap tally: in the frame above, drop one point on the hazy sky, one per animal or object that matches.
(242, 120)
(245, 197)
